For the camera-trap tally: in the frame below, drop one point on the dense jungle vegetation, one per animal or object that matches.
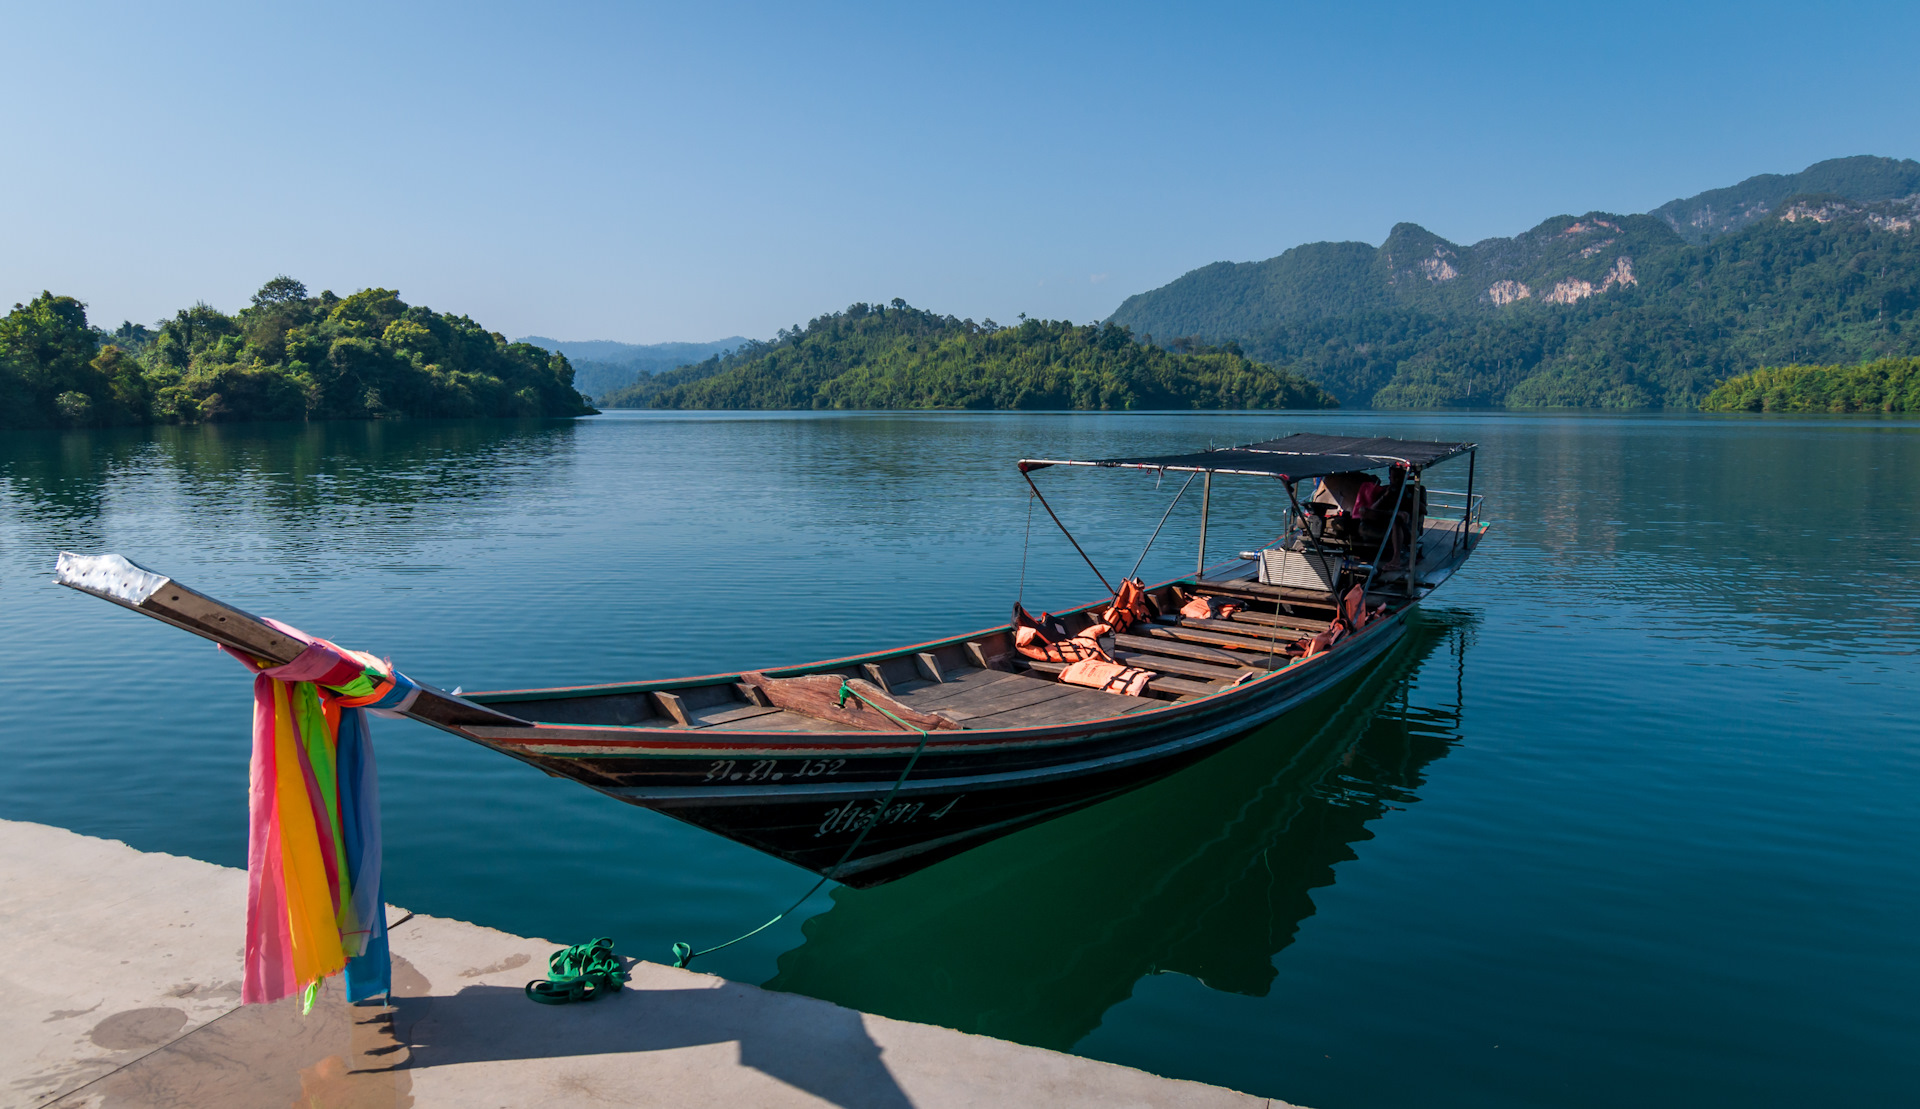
(1598, 310)
(897, 356)
(287, 356)
(1885, 385)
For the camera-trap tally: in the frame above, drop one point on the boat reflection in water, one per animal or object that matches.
(1208, 873)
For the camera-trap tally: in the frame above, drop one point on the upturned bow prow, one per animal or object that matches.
(115, 578)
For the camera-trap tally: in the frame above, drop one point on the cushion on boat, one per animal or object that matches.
(1129, 606)
(1211, 608)
(1108, 677)
(1048, 640)
(1031, 643)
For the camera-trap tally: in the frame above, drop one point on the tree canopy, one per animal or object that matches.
(1883, 385)
(287, 356)
(897, 356)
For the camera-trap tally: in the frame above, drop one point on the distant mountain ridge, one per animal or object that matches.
(1599, 309)
(601, 366)
(1716, 212)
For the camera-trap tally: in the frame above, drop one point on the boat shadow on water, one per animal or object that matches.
(1207, 873)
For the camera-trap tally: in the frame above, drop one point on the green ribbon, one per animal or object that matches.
(583, 972)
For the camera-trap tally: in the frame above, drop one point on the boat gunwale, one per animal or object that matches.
(614, 689)
(675, 743)
(700, 796)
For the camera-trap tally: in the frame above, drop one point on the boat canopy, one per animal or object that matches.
(1301, 455)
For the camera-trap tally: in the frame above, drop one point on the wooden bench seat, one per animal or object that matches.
(1253, 590)
(1190, 630)
(1167, 645)
(1159, 683)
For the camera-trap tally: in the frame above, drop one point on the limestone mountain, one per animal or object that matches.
(1716, 212)
(1597, 309)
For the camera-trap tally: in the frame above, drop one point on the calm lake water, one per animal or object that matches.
(1628, 819)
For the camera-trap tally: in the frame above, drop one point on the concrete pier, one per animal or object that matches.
(120, 989)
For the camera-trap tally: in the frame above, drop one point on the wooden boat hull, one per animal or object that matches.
(865, 801)
(805, 798)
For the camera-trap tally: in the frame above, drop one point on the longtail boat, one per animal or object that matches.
(870, 767)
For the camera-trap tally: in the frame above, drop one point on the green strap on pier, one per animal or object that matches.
(684, 953)
(583, 972)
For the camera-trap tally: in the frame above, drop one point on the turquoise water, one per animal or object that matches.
(1628, 819)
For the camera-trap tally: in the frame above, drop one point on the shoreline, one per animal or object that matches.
(122, 968)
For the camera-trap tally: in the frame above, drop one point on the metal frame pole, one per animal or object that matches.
(1206, 502)
(1392, 522)
(1466, 517)
(1068, 534)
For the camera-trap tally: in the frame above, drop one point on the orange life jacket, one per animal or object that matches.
(1109, 677)
(1047, 639)
(1129, 606)
(1211, 608)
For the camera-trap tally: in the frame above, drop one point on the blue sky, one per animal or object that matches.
(648, 173)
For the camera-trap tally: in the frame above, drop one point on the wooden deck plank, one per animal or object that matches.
(1254, 589)
(1161, 664)
(1167, 645)
(1001, 696)
(780, 720)
(1302, 624)
(1161, 683)
(1245, 641)
(1079, 704)
(929, 697)
(1260, 620)
(709, 718)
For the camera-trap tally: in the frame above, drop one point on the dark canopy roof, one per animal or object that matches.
(1300, 455)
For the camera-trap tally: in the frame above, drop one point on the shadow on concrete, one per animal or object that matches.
(813, 1046)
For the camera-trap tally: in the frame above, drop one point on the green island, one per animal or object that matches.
(1601, 310)
(896, 356)
(1883, 385)
(287, 356)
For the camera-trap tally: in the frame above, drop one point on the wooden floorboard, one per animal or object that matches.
(1254, 627)
(1245, 641)
(1075, 703)
(964, 683)
(783, 721)
(1168, 645)
(1303, 624)
(1254, 589)
(1161, 683)
(714, 717)
(1020, 692)
(1161, 664)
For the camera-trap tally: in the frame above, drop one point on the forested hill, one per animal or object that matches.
(897, 356)
(1600, 310)
(287, 356)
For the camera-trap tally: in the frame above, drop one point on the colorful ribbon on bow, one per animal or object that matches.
(314, 904)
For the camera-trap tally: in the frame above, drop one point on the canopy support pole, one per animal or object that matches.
(1206, 502)
(1466, 518)
(1393, 522)
(1158, 526)
(1068, 534)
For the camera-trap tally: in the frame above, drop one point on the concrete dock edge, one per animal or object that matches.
(120, 988)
